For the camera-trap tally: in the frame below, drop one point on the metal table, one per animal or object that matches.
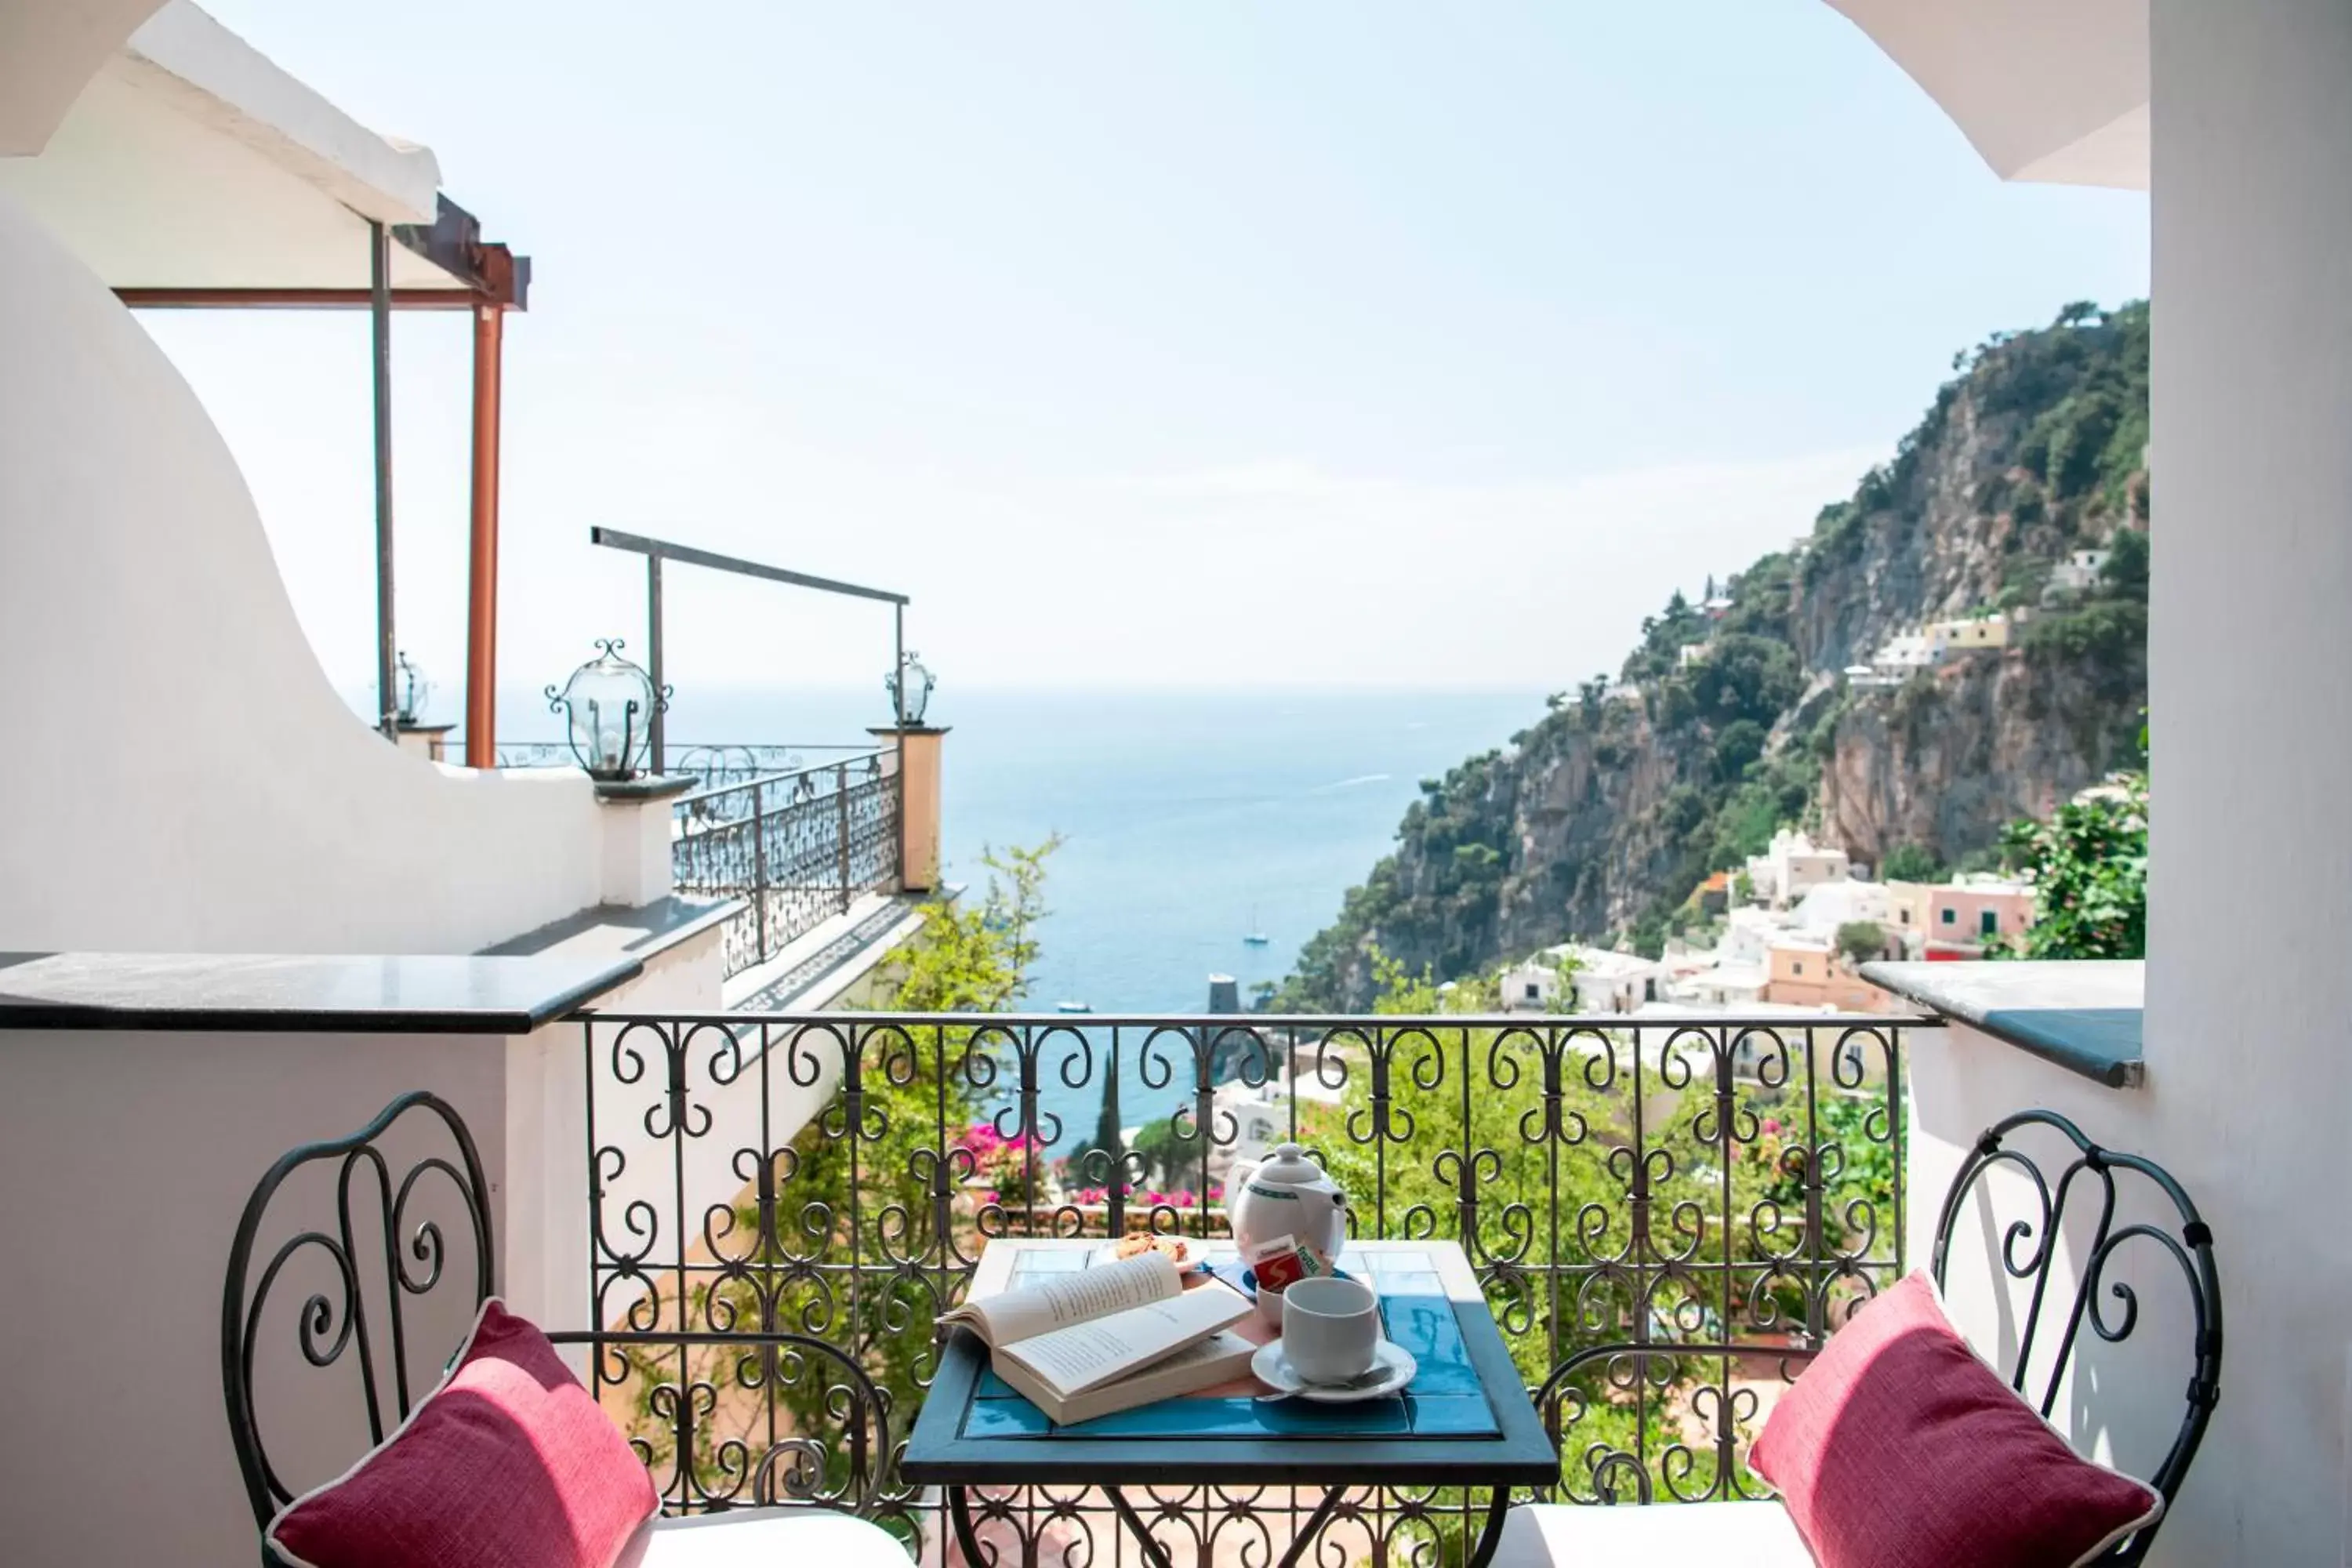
(1465, 1422)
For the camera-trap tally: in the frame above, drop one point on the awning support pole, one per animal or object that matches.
(482, 589)
(653, 660)
(380, 311)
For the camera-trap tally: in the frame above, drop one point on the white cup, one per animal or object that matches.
(1331, 1329)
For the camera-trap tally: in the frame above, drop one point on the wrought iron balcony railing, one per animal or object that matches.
(714, 763)
(799, 846)
(1697, 1181)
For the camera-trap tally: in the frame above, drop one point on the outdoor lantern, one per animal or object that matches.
(608, 707)
(409, 711)
(910, 691)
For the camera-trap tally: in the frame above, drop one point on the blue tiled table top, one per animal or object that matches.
(1446, 1399)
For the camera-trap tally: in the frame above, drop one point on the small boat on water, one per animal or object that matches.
(1256, 937)
(1074, 1007)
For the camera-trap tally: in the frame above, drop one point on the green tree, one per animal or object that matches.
(1565, 967)
(1737, 744)
(2088, 865)
(1862, 940)
(2125, 576)
(1910, 863)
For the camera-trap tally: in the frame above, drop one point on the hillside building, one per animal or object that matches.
(1791, 866)
(2079, 573)
(1604, 982)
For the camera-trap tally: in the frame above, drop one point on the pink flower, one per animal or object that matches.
(994, 1197)
(1772, 1126)
(1216, 1192)
(1184, 1198)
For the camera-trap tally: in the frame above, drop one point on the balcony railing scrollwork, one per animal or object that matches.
(1689, 1181)
(799, 847)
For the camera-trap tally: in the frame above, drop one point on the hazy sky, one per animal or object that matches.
(1322, 341)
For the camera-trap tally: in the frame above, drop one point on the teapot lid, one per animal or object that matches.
(1289, 1163)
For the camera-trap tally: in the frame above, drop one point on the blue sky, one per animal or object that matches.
(1368, 342)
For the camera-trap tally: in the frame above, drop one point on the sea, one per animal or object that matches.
(1188, 819)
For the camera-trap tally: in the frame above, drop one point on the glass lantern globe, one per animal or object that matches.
(608, 707)
(408, 710)
(910, 691)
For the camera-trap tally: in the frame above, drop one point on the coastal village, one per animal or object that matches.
(1785, 936)
(1789, 932)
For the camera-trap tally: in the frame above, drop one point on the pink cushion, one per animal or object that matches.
(509, 1464)
(1899, 1448)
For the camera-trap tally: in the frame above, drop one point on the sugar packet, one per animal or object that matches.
(1283, 1261)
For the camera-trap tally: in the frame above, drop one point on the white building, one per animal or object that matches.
(2079, 573)
(1792, 865)
(1747, 932)
(1727, 985)
(1866, 676)
(1904, 652)
(1926, 647)
(1829, 905)
(1605, 981)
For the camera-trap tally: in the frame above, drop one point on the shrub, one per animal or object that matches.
(1910, 863)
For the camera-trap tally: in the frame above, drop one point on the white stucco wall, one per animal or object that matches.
(183, 778)
(126, 1158)
(2252, 724)
(48, 49)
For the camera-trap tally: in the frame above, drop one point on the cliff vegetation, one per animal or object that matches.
(1736, 715)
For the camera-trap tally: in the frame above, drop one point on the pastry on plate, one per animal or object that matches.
(1137, 1245)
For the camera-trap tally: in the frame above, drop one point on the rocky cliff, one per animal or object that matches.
(1599, 819)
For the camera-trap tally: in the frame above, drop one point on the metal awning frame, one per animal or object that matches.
(488, 280)
(656, 551)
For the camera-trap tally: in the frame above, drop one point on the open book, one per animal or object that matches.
(1109, 1338)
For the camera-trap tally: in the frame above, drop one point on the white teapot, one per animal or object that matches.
(1286, 1194)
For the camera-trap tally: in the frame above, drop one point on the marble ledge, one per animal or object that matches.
(2082, 1014)
(612, 932)
(408, 995)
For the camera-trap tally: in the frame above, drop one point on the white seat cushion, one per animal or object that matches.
(1571, 1535)
(760, 1538)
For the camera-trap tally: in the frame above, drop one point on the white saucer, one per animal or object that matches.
(1395, 1365)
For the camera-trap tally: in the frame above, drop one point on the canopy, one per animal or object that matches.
(191, 171)
(192, 163)
(2050, 91)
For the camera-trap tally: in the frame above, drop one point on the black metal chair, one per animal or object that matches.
(2029, 1252)
(362, 1320)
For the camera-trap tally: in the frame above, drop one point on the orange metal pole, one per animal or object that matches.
(482, 597)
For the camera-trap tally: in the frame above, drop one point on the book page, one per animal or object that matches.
(1080, 1355)
(1068, 1299)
